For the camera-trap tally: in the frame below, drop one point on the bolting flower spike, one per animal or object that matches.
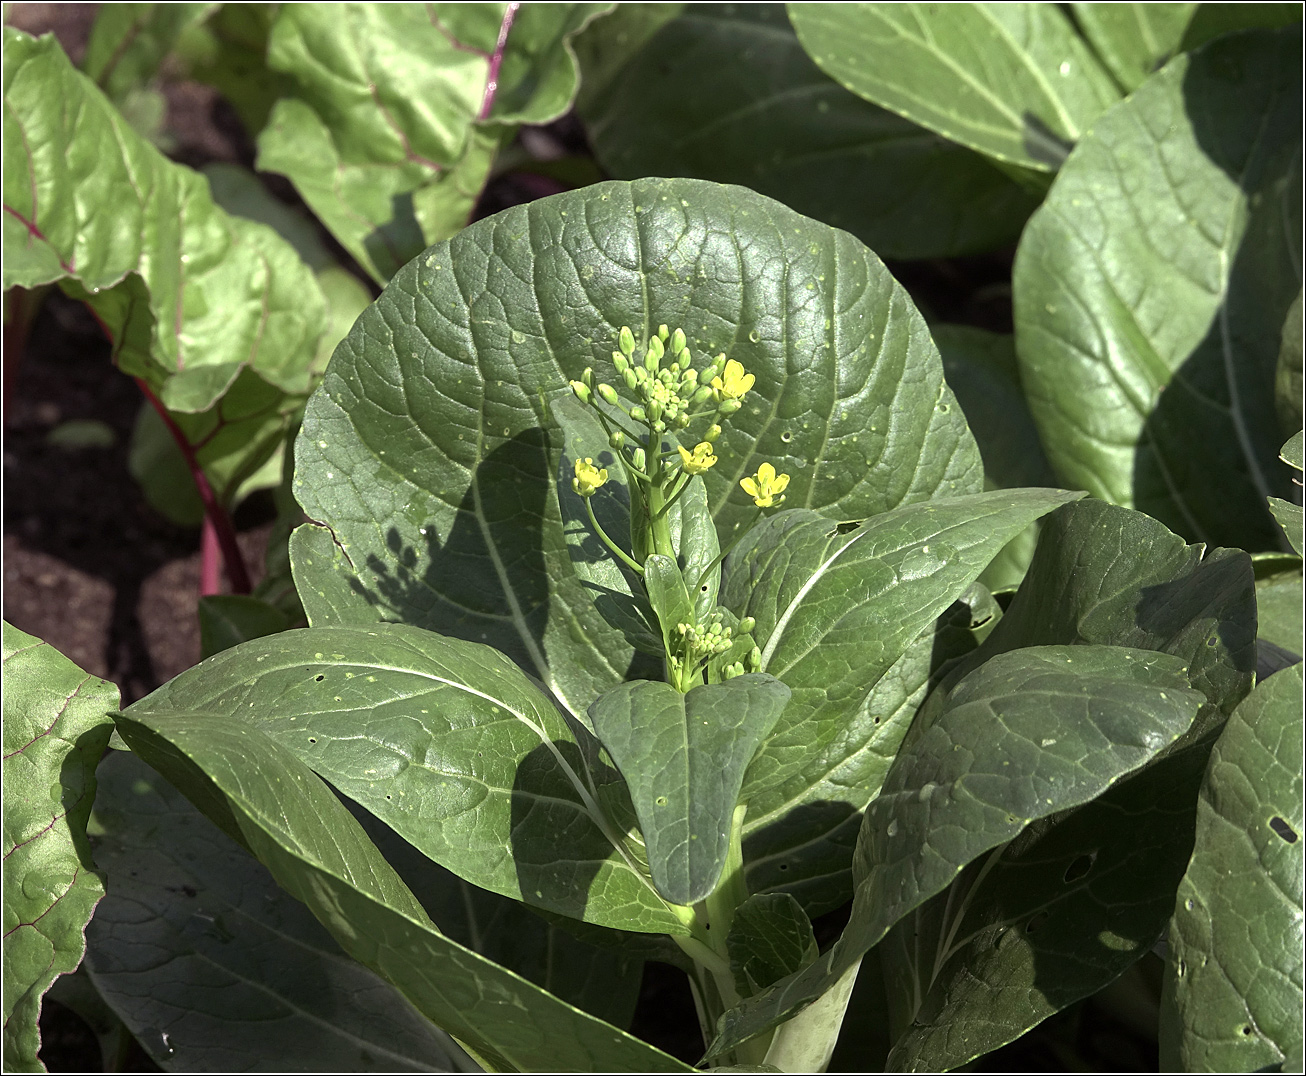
(733, 383)
(588, 477)
(765, 486)
(699, 461)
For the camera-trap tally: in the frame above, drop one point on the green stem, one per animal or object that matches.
(616, 549)
(659, 524)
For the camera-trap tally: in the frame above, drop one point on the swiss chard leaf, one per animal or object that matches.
(189, 295)
(1028, 734)
(1013, 81)
(259, 792)
(449, 744)
(216, 969)
(683, 757)
(763, 115)
(1151, 290)
(56, 726)
(1233, 990)
(426, 460)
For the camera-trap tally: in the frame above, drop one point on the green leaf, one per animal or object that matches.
(764, 116)
(1151, 290)
(226, 620)
(834, 612)
(1288, 374)
(683, 758)
(128, 42)
(299, 830)
(449, 744)
(379, 136)
(1013, 81)
(1213, 20)
(1232, 999)
(426, 454)
(229, 52)
(1289, 513)
(1134, 40)
(1027, 735)
(1279, 601)
(669, 597)
(770, 937)
(190, 296)
(195, 938)
(56, 726)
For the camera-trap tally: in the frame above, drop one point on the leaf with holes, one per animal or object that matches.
(56, 726)
(1233, 987)
(449, 744)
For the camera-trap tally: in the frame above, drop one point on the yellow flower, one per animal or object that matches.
(588, 477)
(764, 486)
(701, 459)
(735, 383)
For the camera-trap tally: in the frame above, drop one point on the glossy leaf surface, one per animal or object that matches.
(1233, 989)
(1027, 735)
(836, 608)
(761, 114)
(190, 295)
(56, 725)
(1013, 81)
(1151, 290)
(449, 744)
(265, 797)
(216, 969)
(431, 451)
(683, 757)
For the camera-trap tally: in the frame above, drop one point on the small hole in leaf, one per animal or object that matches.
(1282, 829)
(1246, 1029)
(319, 678)
(1036, 922)
(784, 866)
(312, 739)
(703, 589)
(1080, 867)
(661, 801)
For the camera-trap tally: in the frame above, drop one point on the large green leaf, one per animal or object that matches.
(380, 135)
(190, 295)
(683, 758)
(1233, 991)
(56, 725)
(1013, 81)
(449, 744)
(1151, 290)
(216, 969)
(428, 459)
(1133, 40)
(1026, 735)
(761, 114)
(836, 608)
(1076, 899)
(259, 792)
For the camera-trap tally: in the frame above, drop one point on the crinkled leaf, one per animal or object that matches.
(834, 612)
(770, 937)
(56, 725)
(1232, 999)
(264, 796)
(216, 969)
(761, 114)
(1151, 289)
(379, 137)
(683, 758)
(427, 455)
(190, 295)
(1013, 81)
(1028, 734)
(1133, 40)
(448, 743)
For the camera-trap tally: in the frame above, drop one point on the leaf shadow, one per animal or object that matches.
(1207, 455)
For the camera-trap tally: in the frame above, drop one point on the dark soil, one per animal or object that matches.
(93, 570)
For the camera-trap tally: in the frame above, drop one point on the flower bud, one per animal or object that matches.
(627, 341)
(677, 341)
(747, 624)
(588, 377)
(620, 362)
(703, 394)
(663, 333)
(713, 432)
(609, 394)
(637, 413)
(581, 390)
(655, 353)
(755, 659)
(631, 378)
(682, 420)
(638, 458)
(617, 439)
(729, 407)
